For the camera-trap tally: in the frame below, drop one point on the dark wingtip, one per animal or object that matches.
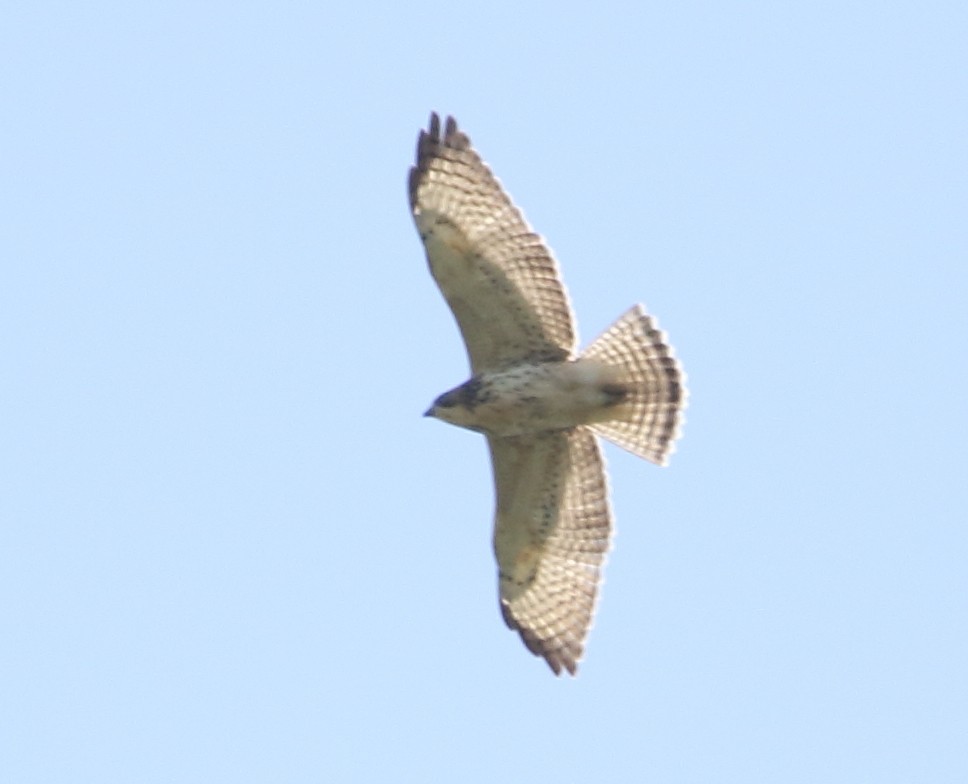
(427, 141)
(557, 659)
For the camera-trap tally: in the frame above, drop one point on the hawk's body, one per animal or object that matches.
(538, 402)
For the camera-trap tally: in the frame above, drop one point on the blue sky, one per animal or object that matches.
(231, 549)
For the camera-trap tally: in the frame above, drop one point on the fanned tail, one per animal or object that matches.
(647, 421)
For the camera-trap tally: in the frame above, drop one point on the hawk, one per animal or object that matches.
(538, 401)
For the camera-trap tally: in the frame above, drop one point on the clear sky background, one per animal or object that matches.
(231, 549)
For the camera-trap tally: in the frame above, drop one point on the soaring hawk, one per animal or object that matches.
(538, 401)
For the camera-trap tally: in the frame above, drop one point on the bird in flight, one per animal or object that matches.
(539, 402)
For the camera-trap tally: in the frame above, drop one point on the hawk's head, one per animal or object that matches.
(457, 406)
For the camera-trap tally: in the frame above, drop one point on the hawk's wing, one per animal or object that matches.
(497, 275)
(551, 535)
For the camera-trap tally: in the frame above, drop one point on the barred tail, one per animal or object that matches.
(647, 420)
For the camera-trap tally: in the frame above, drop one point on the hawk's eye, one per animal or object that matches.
(448, 400)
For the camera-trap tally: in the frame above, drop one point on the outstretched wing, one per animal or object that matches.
(497, 275)
(551, 534)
